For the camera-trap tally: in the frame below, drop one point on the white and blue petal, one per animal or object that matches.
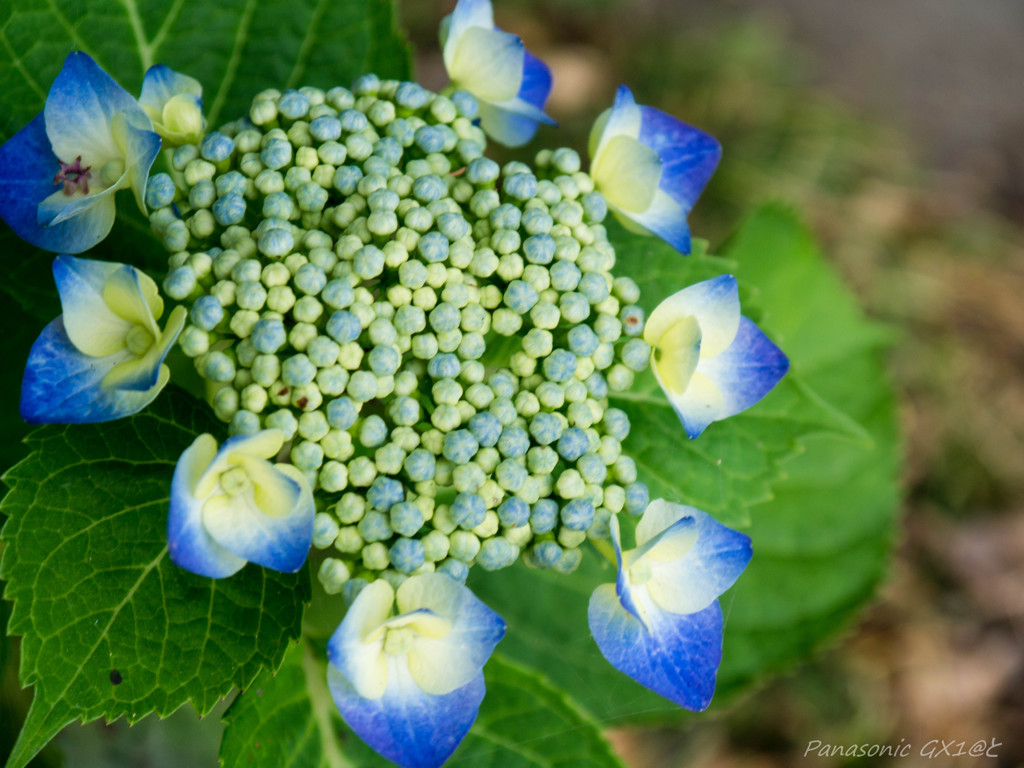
(27, 168)
(232, 506)
(746, 371)
(688, 572)
(188, 543)
(651, 167)
(510, 84)
(93, 326)
(675, 655)
(173, 101)
(64, 386)
(407, 725)
(443, 663)
(689, 156)
(274, 531)
(410, 685)
(80, 111)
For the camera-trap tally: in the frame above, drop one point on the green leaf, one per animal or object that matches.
(235, 48)
(111, 627)
(289, 719)
(821, 489)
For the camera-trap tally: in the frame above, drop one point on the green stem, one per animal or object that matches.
(323, 708)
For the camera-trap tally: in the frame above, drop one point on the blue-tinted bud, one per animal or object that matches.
(180, 282)
(505, 216)
(514, 512)
(404, 411)
(325, 128)
(206, 313)
(514, 441)
(338, 294)
(502, 383)
(565, 276)
(444, 366)
(353, 121)
(429, 139)
(384, 492)
(459, 446)
(276, 154)
(444, 318)
(486, 428)
(546, 428)
(545, 554)
(569, 561)
(420, 465)
(468, 510)
(520, 186)
(636, 354)
(342, 413)
(520, 296)
(592, 468)
(453, 226)
(384, 360)
(276, 243)
(583, 341)
(346, 179)
(429, 188)
(244, 423)
(560, 365)
(595, 207)
(597, 386)
(577, 515)
(344, 326)
(544, 516)
(362, 386)
(374, 527)
(496, 553)
(574, 307)
(216, 147)
(637, 498)
(293, 104)
(455, 569)
(539, 249)
(465, 104)
(594, 286)
(433, 247)
(160, 191)
(407, 555)
(297, 370)
(406, 518)
(229, 209)
(511, 475)
(573, 443)
(632, 318)
(230, 183)
(616, 423)
(504, 409)
(482, 171)
(373, 431)
(411, 96)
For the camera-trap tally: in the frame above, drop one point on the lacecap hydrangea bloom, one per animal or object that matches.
(413, 349)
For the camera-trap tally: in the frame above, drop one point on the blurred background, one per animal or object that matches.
(897, 128)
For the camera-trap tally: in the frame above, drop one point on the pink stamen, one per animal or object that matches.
(73, 175)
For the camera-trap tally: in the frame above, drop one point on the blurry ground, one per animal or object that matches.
(898, 129)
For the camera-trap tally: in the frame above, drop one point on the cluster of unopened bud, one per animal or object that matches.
(435, 335)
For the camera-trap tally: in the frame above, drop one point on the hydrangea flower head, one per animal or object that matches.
(232, 506)
(174, 102)
(58, 175)
(661, 623)
(103, 357)
(410, 684)
(711, 361)
(650, 167)
(510, 84)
